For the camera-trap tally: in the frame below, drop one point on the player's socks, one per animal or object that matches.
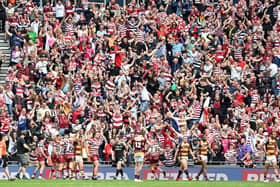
(187, 173)
(164, 173)
(121, 171)
(64, 172)
(179, 174)
(158, 169)
(59, 173)
(137, 176)
(41, 174)
(117, 172)
(72, 173)
(155, 173)
(54, 174)
(77, 173)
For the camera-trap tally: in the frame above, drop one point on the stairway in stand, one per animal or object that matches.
(5, 48)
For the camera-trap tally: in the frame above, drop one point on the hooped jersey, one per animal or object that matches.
(138, 144)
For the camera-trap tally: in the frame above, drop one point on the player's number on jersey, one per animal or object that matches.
(138, 145)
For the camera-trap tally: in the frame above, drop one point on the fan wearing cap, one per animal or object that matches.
(182, 152)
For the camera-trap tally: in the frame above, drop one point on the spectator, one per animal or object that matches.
(244, 152)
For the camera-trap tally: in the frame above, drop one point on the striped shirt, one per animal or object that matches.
(19, 91)
(93, 146)
(169, 158)
(231, 156)
(197, 111)
(117, 121)
(122, 28)
(110, 85)
(140, 36)
(237, 52)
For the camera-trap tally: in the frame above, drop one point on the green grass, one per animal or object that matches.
(103, 183)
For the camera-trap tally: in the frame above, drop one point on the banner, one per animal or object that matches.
(257, 175)
(214, 174)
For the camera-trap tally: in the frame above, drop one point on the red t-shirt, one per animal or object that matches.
(118, 58)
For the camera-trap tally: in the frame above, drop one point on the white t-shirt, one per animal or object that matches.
(144, 94)
(273, 70)
(59, 10)
(235, 72)
(42, 66)
(9, 97)
(35, 25)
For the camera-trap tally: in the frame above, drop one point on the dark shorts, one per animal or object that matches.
(23, 159)
(119, 159)
(4, 161)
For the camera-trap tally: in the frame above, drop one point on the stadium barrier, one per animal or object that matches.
(214, 174)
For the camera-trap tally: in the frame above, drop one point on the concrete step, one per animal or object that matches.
(4, 43)
(4, 47)
(5, 51)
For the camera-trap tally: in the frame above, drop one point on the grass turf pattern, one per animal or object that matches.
(127, 183)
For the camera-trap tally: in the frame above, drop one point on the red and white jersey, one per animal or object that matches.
(68, 147)
(68, 38)
(94, 146)
(154, 149)
(58, 148)
(6, 124)
(33, 157)
(69, 10)
(97, 87)
(161, 139)
(168, 77)
(111, 27)
(41, 146)
(29, 6)
(231, 156)
(255, 99)
(110, 85)
(117, 121)
(219, 55)
(101, 114)
(19, 91)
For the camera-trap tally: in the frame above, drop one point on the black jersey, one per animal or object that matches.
(119, 150)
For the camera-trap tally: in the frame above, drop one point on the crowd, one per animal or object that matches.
(173, 68)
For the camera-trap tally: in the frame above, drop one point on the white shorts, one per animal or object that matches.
(78, 159)
(271, 159)
(139, 158)
(203, 158)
